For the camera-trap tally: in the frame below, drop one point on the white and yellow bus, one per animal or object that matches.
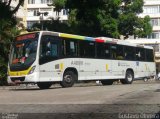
(46, 57)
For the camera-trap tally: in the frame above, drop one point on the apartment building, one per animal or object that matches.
(28, 13)
(34, 7)
(152, 8)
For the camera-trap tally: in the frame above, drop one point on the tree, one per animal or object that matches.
(7, 15)
(110, 18)
(95, 18)
(7, 31)
(7, 11)
(59, 5)
(130, 23)
(6, 35)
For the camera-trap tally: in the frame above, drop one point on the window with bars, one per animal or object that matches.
(46, 1)
(31, 1)
(151, 9)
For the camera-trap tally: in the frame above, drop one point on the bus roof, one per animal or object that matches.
(124, 42)
(94, 39)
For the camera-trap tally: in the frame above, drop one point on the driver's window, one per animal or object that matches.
(48, 49)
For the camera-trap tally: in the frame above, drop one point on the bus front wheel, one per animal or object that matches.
(68, 79)
(44, 85)
(129, 78)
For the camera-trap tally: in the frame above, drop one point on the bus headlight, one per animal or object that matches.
(32, 70)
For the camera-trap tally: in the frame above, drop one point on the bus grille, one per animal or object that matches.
(18, 78)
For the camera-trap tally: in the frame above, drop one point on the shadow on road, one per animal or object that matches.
(30, 88)
(156, 116)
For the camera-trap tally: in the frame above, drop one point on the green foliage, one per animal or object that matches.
(88, 17)
(127, 24)
(130, 23)
(6, 36)
(110, 18)
(7, 31)
(6, 13)
(59, 4)
(132, 6)
(95, 18)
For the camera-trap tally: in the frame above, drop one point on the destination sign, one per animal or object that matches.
(27, 36)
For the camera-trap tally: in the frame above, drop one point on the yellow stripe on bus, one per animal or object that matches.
(19, 73)
(61, 66)
(72, 36)
(106, 67)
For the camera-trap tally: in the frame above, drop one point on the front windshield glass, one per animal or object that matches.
(23, 51)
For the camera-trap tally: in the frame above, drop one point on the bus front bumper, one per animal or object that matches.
(31, 78)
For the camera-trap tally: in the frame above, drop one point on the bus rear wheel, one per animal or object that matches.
(107, 82)
(69, 79)
(129, 78)
(44, 85)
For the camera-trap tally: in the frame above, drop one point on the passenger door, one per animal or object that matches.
(88, 66)
(118, 63)
(105, 64)
(49, 52)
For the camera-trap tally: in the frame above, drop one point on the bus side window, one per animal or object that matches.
(117, 52)
(100, 50)
(71, 47)
(129, 52)
(140, 54)
(107, 51)
(54, 50)
(48, 49)
(113, 51)
(120, 55)
(103, 50)
(87, 49)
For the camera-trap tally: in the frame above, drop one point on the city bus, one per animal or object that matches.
(46, 57)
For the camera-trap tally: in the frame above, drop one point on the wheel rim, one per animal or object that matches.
(68, 78)
(129, 77)
(145, 79)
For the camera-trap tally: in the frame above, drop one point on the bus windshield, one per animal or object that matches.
(23, 52)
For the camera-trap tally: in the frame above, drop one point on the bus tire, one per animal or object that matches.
(145, 79)
(107, 82)
(129, 78)
(44, 85)
(69, 79)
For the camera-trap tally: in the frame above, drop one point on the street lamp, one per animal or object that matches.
(41, 18)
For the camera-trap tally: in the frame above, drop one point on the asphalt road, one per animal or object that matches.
(138, 100)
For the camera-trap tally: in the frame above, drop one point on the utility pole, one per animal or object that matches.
(42, 14)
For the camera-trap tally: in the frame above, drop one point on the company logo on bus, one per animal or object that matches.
(27, 36)
(137, 63)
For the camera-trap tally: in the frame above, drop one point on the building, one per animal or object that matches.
(21, 13)
(152, 8)
(34, 7)
(28, 13)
